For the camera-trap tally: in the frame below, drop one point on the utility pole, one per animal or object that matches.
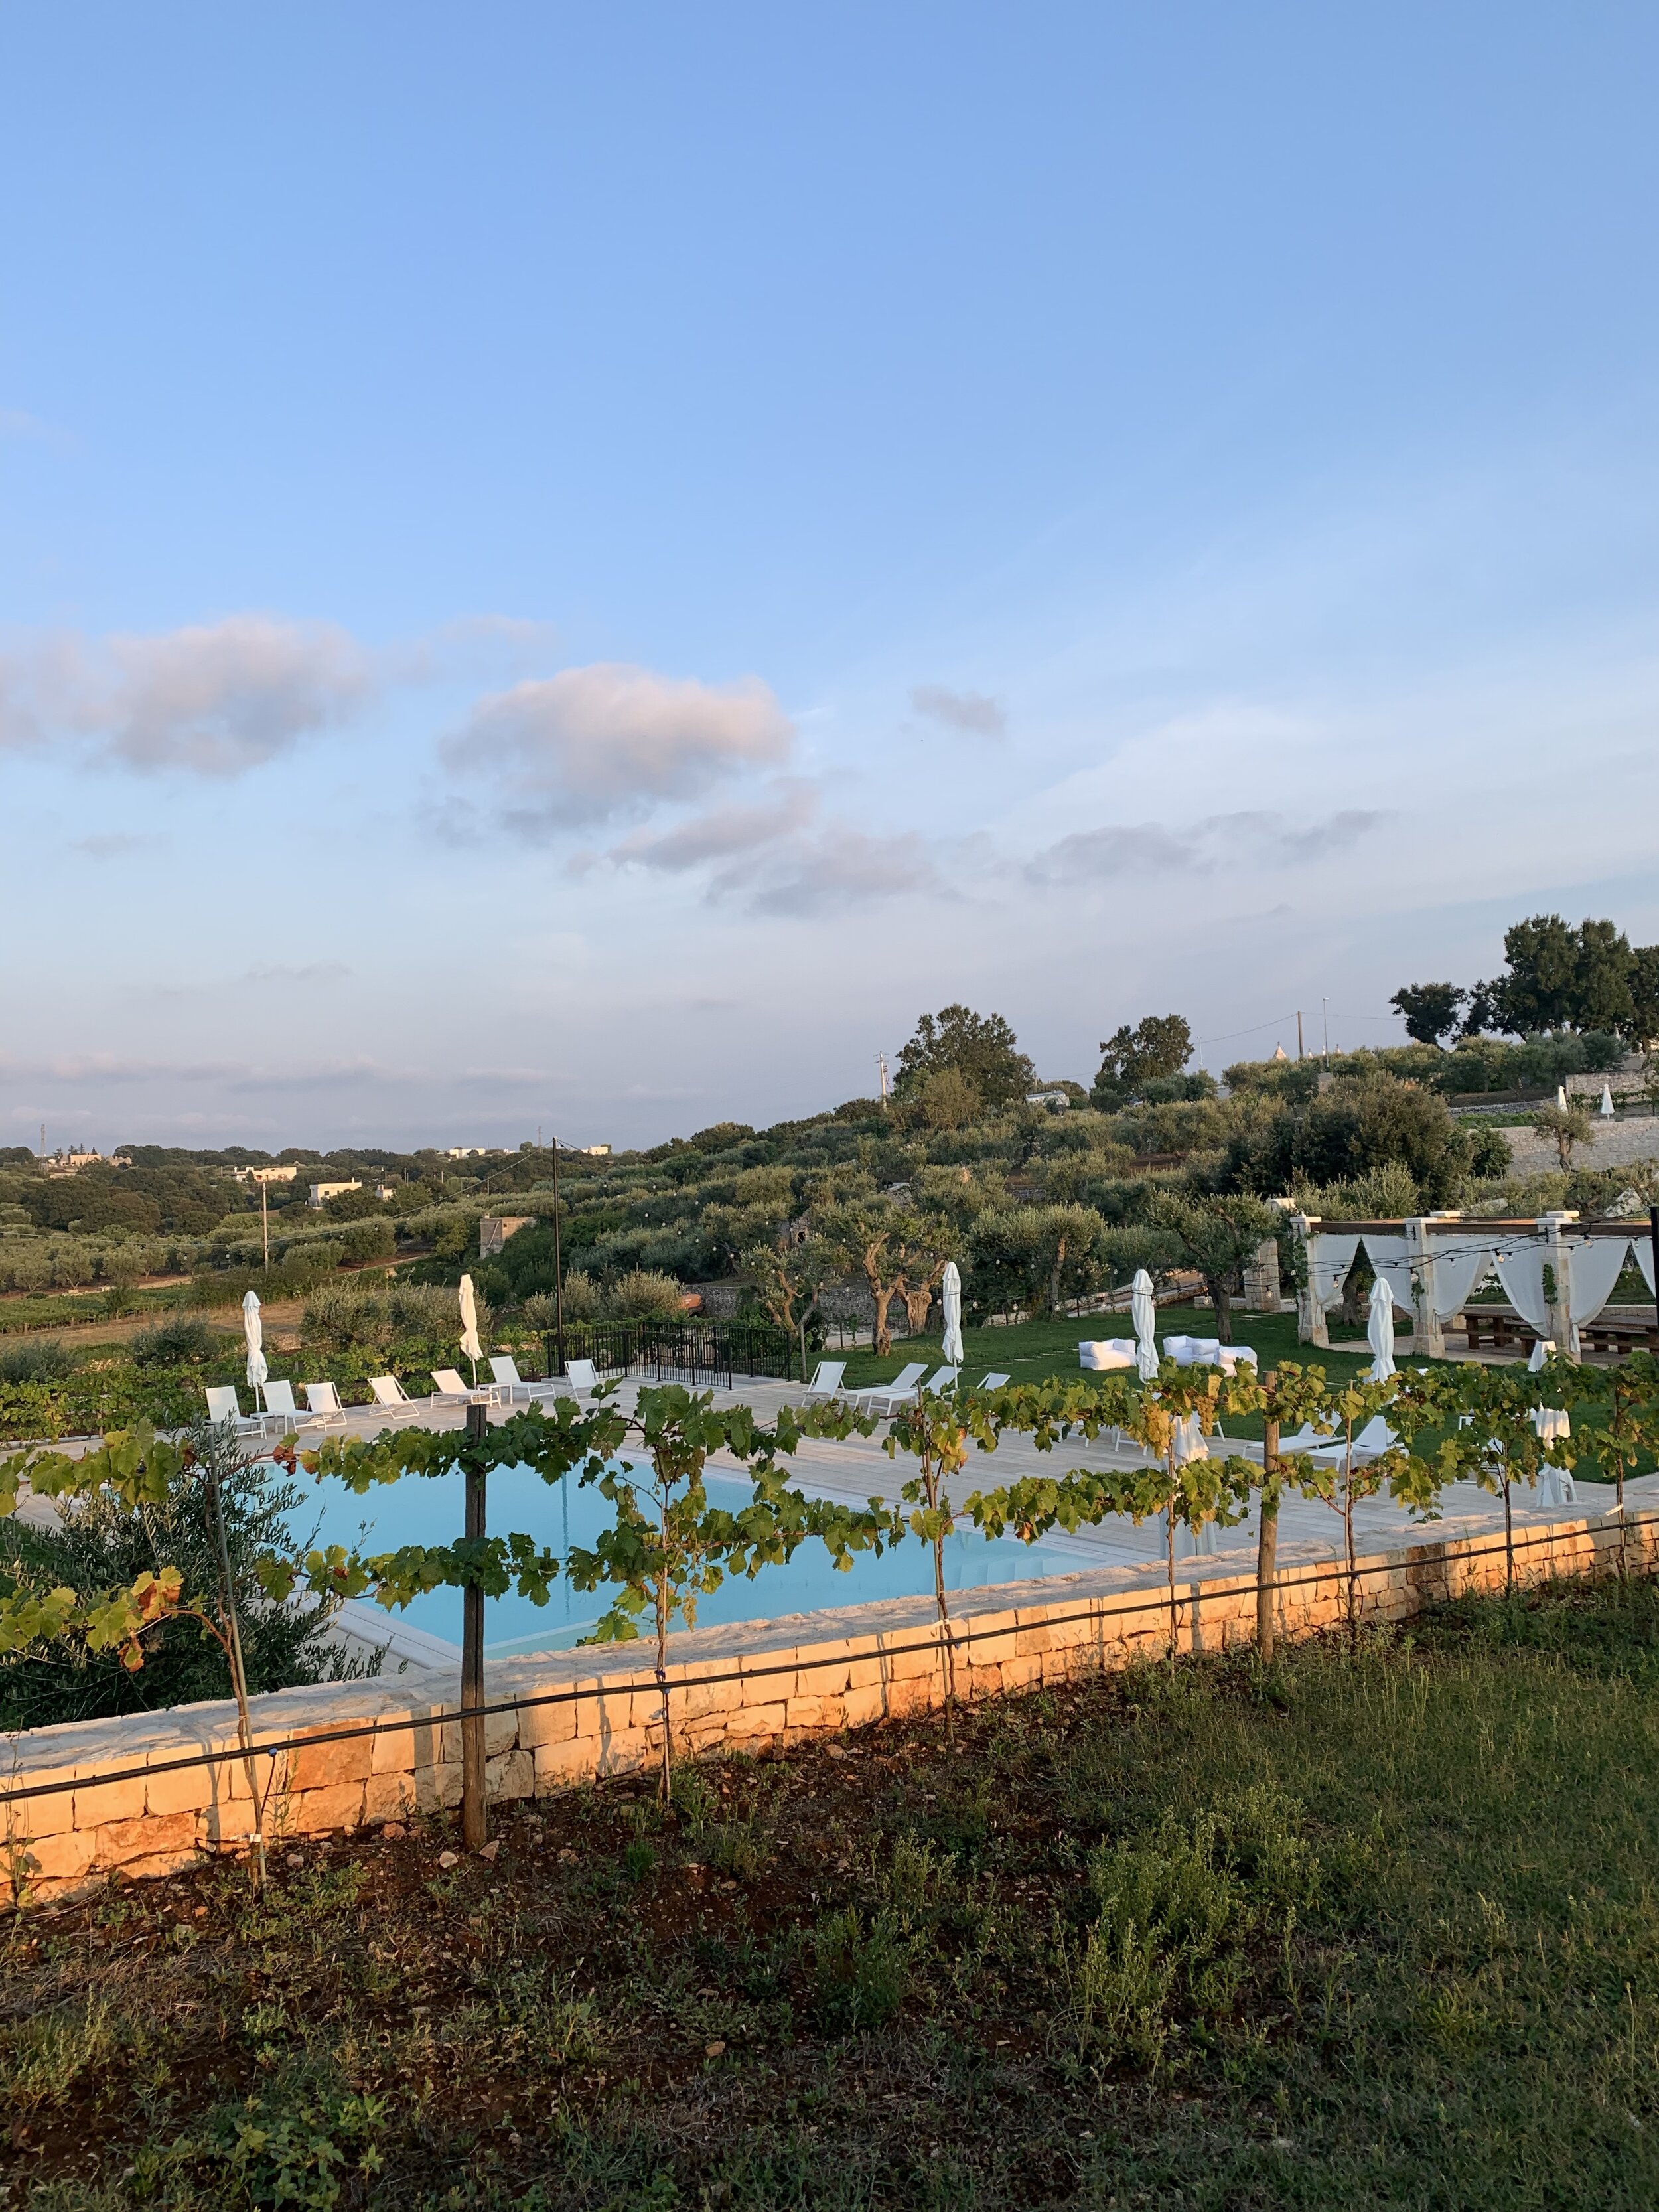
(1325, 1017)
(1299, 1051)
(881, 1067)
(264, 1219)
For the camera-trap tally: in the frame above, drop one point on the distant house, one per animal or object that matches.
(322, 1192)
(265, 1174)
(68, 1163)
(591, 1151)
(495, 1228)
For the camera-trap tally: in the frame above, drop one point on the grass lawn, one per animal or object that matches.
(1367, 1930)
(1036, 1349)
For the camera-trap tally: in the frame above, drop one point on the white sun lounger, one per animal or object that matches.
(901, 1384)
(448, 1390)
(991, 1382)
(323, 1401)
(281, 1412)
(1373, 1440)
(581, 1377)
(827, 1379)
(509, 1388)
(391, 1397)
(222, 1406)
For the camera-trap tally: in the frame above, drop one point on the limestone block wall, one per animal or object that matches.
(116, 1799)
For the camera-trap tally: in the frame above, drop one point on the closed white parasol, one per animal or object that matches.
(1143, 1314)
(470, 1344)
(1379, 1331)
(253, 1329)
(949, 1291)
(1607, 1106)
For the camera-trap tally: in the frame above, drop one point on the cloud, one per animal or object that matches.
(975, 712)
(720, 834)
(1119, 849)
(215, 700)
(610, 740)
(1125, 848)
(315, 971)
(838, 867)
(113, 846)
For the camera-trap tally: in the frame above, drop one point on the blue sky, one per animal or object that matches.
(581, 567)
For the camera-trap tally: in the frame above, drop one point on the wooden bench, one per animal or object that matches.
(1612, 1335)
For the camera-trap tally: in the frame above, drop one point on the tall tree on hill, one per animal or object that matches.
(1429, 1011)
(1560, 977)
(982, 1048)
(1158, 1046)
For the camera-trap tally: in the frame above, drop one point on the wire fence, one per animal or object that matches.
(1191, 1594)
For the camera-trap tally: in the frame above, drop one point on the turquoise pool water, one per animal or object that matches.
(427, 1510)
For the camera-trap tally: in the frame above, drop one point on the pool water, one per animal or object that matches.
(429, 1510)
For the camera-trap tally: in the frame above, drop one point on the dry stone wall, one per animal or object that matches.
(748, 1687)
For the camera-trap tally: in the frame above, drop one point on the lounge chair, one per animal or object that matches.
(222, 1406)
(827, 1379)
(991, 1382)
(448, 1390)
(881, 1397)
(904, 1381)
(508, 1387)
(581, 1377)
(322, 1404)
(1373, 1440)
(280, 1408)
(391, 1397)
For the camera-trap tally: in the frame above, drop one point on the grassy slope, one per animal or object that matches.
(1375, 1930)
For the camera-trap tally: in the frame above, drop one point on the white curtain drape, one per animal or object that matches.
(1643, 1248)
(1388, 1257)
(1329, 1259)
(1521, 1271)
(1458, 1269)
(1594, 1266)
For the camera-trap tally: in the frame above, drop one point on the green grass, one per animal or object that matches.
(65, 1309)
(1034, 1350)
(1368, 1929)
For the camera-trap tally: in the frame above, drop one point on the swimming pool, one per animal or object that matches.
(427, 1510)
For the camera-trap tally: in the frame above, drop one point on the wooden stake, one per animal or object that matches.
(475, 1817)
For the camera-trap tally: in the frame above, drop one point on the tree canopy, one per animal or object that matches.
(1156, 1049)
(1557, 976)
(982, 1048)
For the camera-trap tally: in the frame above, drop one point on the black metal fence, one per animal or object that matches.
(700, 1353)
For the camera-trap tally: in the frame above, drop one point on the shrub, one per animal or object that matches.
(643, 1295)
(346, 1316)
(44, 1361)
(582, 1301)
(185, 1341)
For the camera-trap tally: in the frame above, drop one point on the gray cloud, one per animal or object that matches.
(838, 867)
(721, 833)
(111, 846)
(214, 700)
(975, 712)
(1120, 850)
(610, 740)
(315, 971)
